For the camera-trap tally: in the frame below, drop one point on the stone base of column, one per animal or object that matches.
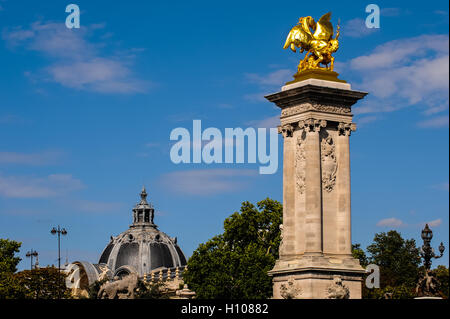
(317, 277)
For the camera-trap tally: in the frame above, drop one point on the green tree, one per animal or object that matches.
(441, 274)
(10, 287)
(397, 258)
(43, 283)
(8, 260)
(234, 265)
(360, 254)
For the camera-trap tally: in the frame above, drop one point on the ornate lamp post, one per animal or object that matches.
(32, 253)
(428, 284)
(59, 231)
(426, 252)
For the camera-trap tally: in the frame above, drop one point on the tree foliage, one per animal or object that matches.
(358, 253)
(10, 287)
(397, 258)
(400, 269)
(441, 274)
(234, 265)
(43, 283)
(8, 260)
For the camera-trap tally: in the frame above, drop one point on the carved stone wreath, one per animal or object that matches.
(337, 290)
(291, 290)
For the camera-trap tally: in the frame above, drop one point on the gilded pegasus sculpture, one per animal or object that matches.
(316, 38)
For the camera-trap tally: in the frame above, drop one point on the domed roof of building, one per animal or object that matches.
(142, 248)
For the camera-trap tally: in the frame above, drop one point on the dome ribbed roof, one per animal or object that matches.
(142, 248)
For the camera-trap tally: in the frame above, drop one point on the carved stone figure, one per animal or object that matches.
(291, 290)
(105, 274)
(122, 289)
(428, 285)
(338, 290)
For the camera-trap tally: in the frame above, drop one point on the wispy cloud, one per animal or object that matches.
(91, 206)
(406, 72)
(207, 182)
(436, 122)
(42, 158)
(10, 119)
(76, 62)
(274, 78)
(356, 28)
(441, 186)
(390, 222)
(38, 187)
(269, 122)
(266, 83)
(392, 12)
(435, 223)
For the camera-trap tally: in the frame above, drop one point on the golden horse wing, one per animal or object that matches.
(324, 28)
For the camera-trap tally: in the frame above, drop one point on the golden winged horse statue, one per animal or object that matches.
(317, 39)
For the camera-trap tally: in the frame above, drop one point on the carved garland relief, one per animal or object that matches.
(300, 164)
(315, 107)
(329, 162)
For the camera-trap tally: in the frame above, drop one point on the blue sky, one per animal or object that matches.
(86, 115)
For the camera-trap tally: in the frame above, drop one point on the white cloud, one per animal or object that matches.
(152, 144)
(96, 206)
(275, 78)
(256, 97)
(266, 83)
(42, 158)
(406, 72)
(435, 223)
(390, 222)
(77, 63)
(269, 122)
(441, 186)
(366, 119)
(436, 122)
(207, 182)
(38, 187)
(356, 28)
(392, 12)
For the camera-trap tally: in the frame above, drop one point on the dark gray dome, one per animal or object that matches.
(142, 248)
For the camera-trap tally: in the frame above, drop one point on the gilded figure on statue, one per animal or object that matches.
(316, 38)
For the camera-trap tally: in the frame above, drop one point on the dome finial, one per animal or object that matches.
(143, 193)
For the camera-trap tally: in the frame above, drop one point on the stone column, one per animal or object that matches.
(313, 192)
(315, 255)
(288, 245)
(344, 196)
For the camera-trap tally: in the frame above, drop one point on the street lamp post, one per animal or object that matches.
(32, 253)
(426, 251)
(59, 231)
(428, 285)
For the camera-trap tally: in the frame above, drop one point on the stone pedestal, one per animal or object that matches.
(315, 254)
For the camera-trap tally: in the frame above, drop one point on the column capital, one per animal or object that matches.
(312, 125)
(346, 129)
(287, 130)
